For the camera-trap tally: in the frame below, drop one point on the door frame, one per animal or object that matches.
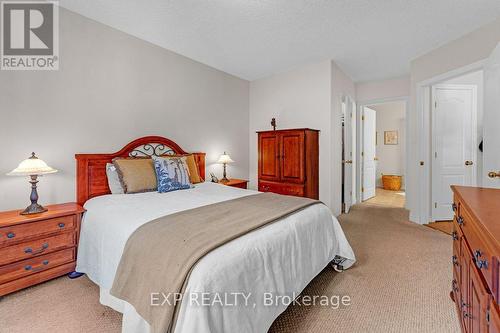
(360, 131)
(421, 210)
(474, 111)
(347, 99)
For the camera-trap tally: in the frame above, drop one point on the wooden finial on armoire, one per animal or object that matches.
(273, 124)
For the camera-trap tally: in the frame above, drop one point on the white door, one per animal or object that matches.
(347, 105)
(491, 121)
(454, 110)
(368, 153)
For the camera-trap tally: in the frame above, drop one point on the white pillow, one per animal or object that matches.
(113, 180)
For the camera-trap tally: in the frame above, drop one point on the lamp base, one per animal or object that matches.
(34, 208)
(224, 180)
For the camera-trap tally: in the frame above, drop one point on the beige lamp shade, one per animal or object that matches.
(32, 166)
(224, 159)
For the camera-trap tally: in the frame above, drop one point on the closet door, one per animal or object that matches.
(491, 118)
(268, 156)
(292, 156)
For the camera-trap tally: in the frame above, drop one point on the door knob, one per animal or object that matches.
(375, 158)
(469, 162)
(493, 174)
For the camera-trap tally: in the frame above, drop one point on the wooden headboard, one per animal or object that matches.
(91, 180)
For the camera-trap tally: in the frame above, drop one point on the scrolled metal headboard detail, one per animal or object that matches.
(152, 149)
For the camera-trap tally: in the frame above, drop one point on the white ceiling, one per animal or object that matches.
(369, 39)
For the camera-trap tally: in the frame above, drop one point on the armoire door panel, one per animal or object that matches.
(289, 162)
(292, 157)
(268, 157)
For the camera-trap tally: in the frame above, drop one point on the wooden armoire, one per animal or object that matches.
(289, 162)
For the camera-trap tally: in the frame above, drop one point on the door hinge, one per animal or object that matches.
(435, 104)
(435, 205)
(343, 207)
(435, 154)
(362, 189)
(363, 118)
(362, 153)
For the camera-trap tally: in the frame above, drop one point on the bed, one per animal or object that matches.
(278, 259)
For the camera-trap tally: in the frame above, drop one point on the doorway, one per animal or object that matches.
(349, 120)
(383, 152)
(450, 111)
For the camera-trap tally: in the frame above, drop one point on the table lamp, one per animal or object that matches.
(224, 159)
(32, 167)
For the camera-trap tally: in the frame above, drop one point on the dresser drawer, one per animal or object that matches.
(286, 189)
(16, 233)
(482, 255)
(35, 265)
(36, 247)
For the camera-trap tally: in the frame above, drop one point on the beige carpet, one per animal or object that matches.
(399, 284)
(388, 198)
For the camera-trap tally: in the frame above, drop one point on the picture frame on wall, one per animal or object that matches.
(390, 137)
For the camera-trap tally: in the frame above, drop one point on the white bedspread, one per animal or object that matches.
(281, 258)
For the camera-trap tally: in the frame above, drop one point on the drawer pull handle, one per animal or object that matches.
(11, 235)
(454, 260)
(480, 263)
(465, 305)
(460, 220)
(61, 225)
(30, 268)
(454, 207)
(454, 285)
(43, 248)
(454, 235)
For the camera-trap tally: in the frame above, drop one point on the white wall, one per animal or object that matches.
(464, 51)
(475, 79)
(391, 158)
(383, 89)
(299, 98)
(310, 96)
(112, 88)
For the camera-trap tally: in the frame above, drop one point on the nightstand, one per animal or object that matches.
(39, 247)
(241, 183)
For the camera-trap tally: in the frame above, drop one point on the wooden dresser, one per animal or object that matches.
(476, 253)
(37, 248)
(289, 162)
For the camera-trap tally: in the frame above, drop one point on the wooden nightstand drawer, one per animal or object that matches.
(37, 247)
(35, 265)
(16, 233)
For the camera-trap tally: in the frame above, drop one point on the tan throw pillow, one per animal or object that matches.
(194, 174)
(136, 174)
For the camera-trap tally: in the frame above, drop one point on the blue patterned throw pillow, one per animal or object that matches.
(171, 173)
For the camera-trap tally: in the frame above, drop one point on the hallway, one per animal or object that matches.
(383, 197)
